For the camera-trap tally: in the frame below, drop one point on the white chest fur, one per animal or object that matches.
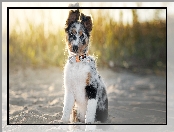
(75, 76)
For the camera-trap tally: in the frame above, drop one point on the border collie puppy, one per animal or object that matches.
(85, 98)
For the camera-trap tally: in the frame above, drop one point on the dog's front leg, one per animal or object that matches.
(91, 111)
(90, 114)
(68, 105)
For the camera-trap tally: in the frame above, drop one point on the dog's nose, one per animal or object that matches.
(75, 48)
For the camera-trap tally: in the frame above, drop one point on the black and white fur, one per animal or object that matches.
(85, 98)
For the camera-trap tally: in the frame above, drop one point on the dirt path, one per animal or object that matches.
(36, 96)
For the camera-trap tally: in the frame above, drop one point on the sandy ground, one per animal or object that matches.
(36, 97)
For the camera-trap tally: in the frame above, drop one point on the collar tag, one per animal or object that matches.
(77, 58)
(80, 57)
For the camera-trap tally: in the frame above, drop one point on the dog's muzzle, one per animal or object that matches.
(75, 48)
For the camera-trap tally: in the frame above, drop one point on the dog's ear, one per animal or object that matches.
(73, 17)
(86, 22)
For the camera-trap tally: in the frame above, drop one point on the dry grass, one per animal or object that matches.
(142, 44)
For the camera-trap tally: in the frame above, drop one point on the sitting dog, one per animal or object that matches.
(85, 98)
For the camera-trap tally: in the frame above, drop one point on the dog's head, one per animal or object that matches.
(78, 32)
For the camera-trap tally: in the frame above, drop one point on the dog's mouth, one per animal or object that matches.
(78, 49)
(72, 53)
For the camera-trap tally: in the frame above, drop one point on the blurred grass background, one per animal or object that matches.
(139, 45)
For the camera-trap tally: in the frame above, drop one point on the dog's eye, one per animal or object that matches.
(82, 36)
(74, 32)
(83, 42)
(71, 34)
